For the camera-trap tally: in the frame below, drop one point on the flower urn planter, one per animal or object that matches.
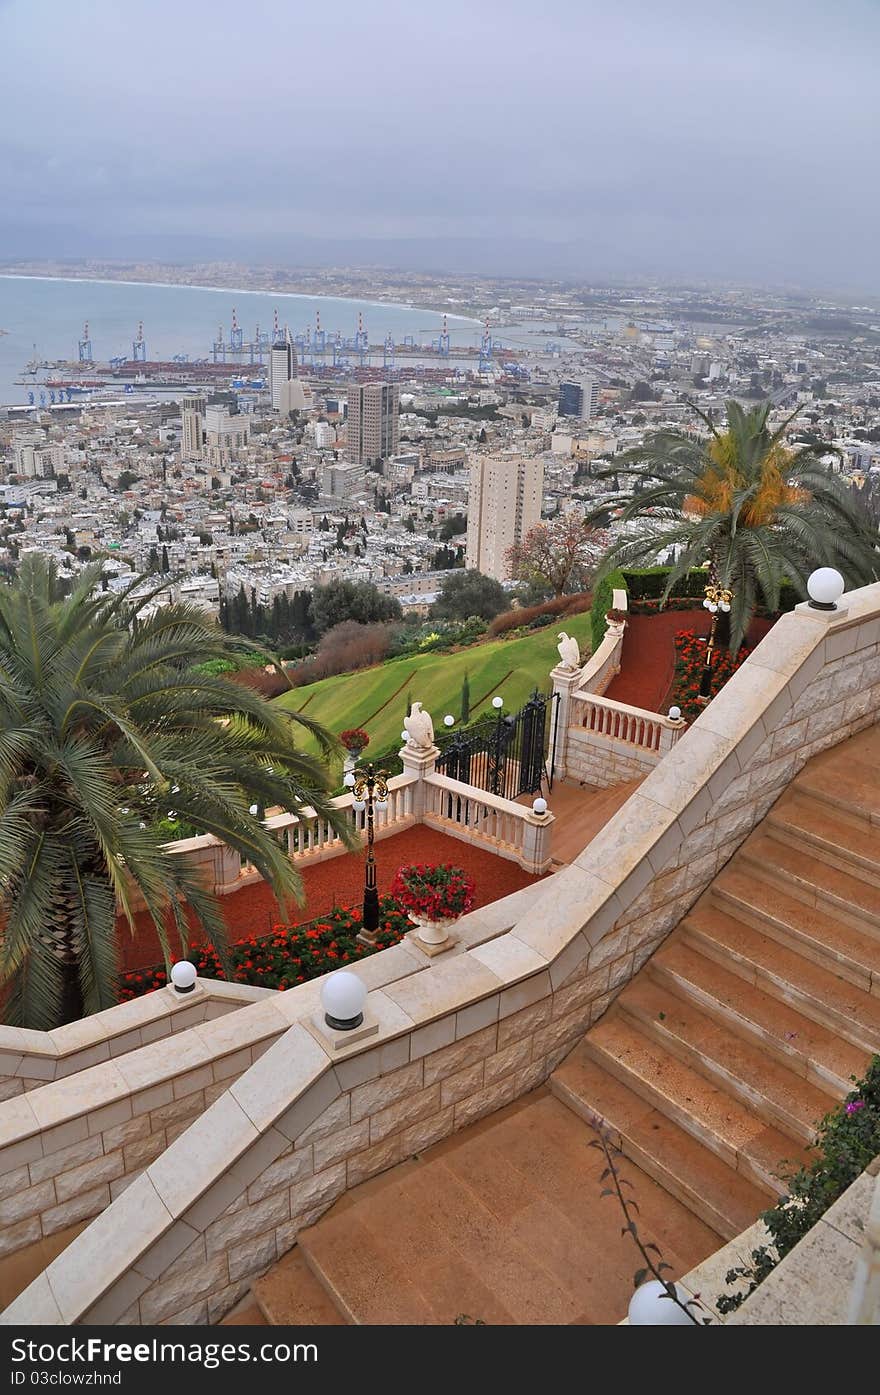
(433, 932)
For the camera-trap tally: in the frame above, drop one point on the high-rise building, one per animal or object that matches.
(373, 423)
(192, 428)
(34, 456)
(227, 434)
(340, 481)
(282, 368)
(504, 502)
(579, 399)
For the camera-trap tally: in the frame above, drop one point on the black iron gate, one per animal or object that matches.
(507, 754)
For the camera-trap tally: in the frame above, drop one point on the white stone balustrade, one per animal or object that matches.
(508, 829)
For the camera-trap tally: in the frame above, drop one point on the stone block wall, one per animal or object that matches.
(466, 1034)
(599, 760)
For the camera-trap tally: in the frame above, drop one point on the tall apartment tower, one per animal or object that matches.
(282, 369)
(579, 399)
(192, 433)
(373, 423)
(504, 502)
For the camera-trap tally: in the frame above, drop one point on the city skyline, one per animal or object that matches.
(693, 143)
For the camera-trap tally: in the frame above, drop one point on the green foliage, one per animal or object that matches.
(758, 512)
(848, 1139)
(104, 724)
(603, 597)
(465, 710)
(467, 593)
(351, 600)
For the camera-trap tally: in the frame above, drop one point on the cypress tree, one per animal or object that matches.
(465, 698)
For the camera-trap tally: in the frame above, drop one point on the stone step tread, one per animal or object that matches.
(814, 925)
(820, 823)
(652, 1139)
(772, 857)
(809, 983)
(247, 1313)
(716, 989)
(704, 1109)
(751, 1075)
(368, 1281)
(844, 775)
(289, 1295)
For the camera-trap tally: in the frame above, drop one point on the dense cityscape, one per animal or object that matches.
(251, 475)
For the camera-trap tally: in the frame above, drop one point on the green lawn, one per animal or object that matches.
(376, 698)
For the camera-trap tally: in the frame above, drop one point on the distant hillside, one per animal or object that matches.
(376, 698)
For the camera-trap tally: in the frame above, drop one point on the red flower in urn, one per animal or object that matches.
(439, 892)
(354, 739)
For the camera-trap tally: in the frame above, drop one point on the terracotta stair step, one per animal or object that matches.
(744, 1070)
(844, 778)
(747, 1144)
(693, 1174)
(289, 1295)
(368, 1281)
(827, 833)
(812, 990)
(812, 930)
(814, 882)
(806, 1047)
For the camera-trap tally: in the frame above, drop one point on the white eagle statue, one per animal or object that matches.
(419, 728)
(569, 651)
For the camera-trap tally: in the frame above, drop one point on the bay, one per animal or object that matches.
(44, 317)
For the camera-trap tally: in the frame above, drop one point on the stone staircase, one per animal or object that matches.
(714, 1065)
(711, 1070)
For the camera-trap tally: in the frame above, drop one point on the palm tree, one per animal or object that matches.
(756, 511)
(106, 721)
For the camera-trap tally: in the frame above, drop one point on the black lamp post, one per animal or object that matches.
(718, 599)
(370, 790)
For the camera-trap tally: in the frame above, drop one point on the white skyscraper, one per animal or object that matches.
(192, 428)
(282, 369)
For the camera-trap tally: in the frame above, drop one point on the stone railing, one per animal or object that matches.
(459, 1036)
(601, 667)
(864, 1308)
(610, 741)
(311, 838)
(29, 1059)
(508, 829)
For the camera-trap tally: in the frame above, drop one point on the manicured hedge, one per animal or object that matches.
(649, 583)
(603, 599)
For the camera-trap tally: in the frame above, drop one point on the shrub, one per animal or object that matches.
(603, 597)
(848, 1139)
(525, 616)
(291, 954)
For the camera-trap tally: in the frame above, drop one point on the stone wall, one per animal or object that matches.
(29, 1059)
(464, 1034)
(601, 761)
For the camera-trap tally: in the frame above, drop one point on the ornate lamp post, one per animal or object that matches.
(370, 790)
(717, 601)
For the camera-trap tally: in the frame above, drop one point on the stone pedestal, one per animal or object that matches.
(565, 681)
(419, 761)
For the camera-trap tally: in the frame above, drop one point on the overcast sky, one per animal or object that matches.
(679, 138)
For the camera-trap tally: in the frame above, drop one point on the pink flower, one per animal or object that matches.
(854, 1106)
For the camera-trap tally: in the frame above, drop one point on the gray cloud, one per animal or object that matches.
(663, 137)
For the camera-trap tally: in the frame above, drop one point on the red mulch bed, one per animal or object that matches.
(339, 882)
(648, 661)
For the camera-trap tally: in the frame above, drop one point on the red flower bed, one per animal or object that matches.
(690, 660)
(291, 954)
(439, 892)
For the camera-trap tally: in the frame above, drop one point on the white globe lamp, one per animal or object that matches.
(183, 976)
(825, 586)
(404, 736)
(342, 998)
(675, 714)
(539, 806)
(449, 720)
(651, 1305)
(348, 778)
(497, 702)
(359, 805)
